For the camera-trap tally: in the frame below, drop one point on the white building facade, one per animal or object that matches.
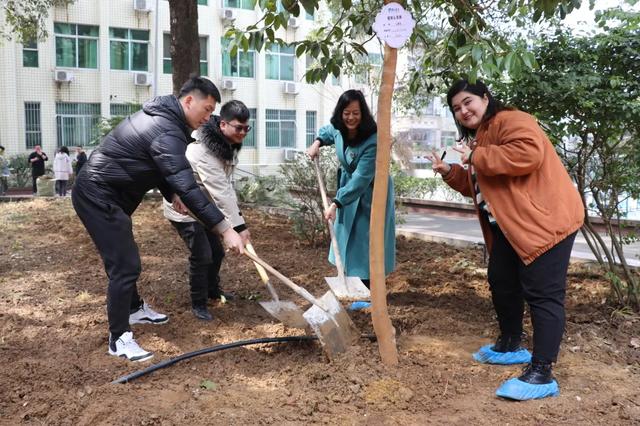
(106, 57)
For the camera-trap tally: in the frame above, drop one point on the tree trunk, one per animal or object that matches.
(385, 332)
(185, 46)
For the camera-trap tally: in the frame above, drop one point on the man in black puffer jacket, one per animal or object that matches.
(145, 151)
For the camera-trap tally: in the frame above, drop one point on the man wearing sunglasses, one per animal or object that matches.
(213, 157)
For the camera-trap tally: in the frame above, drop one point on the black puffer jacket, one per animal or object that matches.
(145, 151)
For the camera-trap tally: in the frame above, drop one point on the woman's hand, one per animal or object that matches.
(330, 213)
(465, 152)
(314, 149)
(438, 165)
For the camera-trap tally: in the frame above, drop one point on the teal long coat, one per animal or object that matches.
(355, 194)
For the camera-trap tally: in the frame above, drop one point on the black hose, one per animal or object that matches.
(167, 363)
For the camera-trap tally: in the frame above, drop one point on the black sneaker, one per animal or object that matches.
(507, 343)
(201, 312)
(537, 373)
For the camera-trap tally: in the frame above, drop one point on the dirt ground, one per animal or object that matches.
(53, 339)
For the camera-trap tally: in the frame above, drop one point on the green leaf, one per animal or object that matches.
(208, 385)
(346, 4)
(476, 53)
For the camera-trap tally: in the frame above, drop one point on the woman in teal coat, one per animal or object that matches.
(353, 131)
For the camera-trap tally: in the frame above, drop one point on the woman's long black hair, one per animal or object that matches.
(479, 89)
(367, 124)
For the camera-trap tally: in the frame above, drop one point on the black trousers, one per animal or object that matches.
(205, 260)
(34, 178)
(110, 229)
(542, 284)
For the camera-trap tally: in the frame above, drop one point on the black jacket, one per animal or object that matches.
(147, 150)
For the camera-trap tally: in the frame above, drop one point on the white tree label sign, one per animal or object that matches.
(394, 25)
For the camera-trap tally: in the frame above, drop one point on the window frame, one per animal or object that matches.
(28, 46)
(310, 133)
(224, 43)
(279, 55)
(270, 121)
(76, 38)
(37, 133)
(89, 122)
(130, 41)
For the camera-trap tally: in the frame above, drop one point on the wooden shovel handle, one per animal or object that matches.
(293, 286)
(263, 274)
(325, 203)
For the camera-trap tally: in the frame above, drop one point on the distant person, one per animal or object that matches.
(62, 170)
(4, 172)
(353, 131)
(146, 150)
(529, 213)
(37, 159)
(81, 158)
(212, 157)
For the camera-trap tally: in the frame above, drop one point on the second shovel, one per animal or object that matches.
(284, 310)
(345, 288)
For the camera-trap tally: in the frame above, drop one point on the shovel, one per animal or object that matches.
(285, 311)
(328, 320)
(345, 288)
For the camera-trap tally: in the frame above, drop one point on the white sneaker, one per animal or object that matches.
(127, 347)
(146, 315)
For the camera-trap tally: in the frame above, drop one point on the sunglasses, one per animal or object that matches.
(239, 128)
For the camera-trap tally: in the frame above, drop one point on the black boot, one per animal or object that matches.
(537, 373)
(507, 343)
(201, 312)
(535, 382)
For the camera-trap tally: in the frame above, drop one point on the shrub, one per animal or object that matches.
(299, 177)
(21, 171)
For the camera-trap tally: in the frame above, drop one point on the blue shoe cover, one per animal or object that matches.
(358, 306)
(486, 355)
(522, 391)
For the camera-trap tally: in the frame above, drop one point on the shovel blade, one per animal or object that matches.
(286, 312)
(334, 328)
(349, 288)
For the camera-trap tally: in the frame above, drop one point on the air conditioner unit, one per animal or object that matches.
(290, 88)
(228, 15)
(142, 79)
(293, 22)
(228, 84)
(142, 5)
(290, 154)
(63, 76)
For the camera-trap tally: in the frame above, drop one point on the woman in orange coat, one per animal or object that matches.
(529, 212)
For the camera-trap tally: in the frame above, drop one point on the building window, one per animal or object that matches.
(202, 2)
(279, 62)
(129, 49)
(123, 110)
(77, 124)
(76, 45)
(204, 58)
(239, 65)
(240, 4)
(308, 16)
(281, 128)
(33, 131)
(167, 67)
(431, 109)
(30, 54)
(311, 127)
(250, 140)
(373, 65)
(448, 138)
